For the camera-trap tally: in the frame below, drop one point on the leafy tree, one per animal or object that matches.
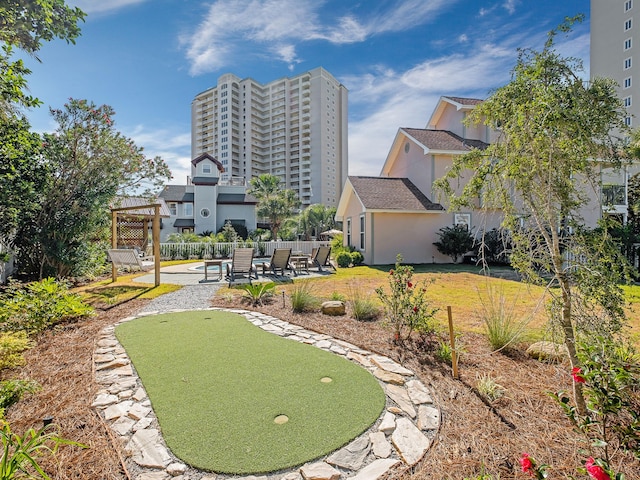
(551, 125)
(84, 165)
(25, 25)
(316, 219)
(454, 241)
(274, 202)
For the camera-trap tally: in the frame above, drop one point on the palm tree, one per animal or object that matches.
(274, 203)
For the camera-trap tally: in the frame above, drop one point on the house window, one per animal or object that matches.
(362, 225)
(628, 5)
(628, 24)
(206, 168)
(173, 208)
(348, 232)
(613, 195)
(628, 43)
(188, 209)
(205, 212)
(627, 121)
(627, 82)
(627, 63)
(463, 219)
(627, 101)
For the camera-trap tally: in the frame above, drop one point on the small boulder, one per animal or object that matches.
(333, 308)
(547, 351)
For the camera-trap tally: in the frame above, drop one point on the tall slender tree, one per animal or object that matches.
(556, 132)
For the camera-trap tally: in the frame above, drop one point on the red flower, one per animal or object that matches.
(575, 373)
(415, 309)
(409, 284)
(596, 471)
(390, 272)
(526, 464)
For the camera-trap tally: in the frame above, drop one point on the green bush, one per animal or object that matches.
(357, 258)
(454, 241)
(363, 308)
(38, 305)
(302, 298)
(258, 292)
(12, 344)
(343, 259)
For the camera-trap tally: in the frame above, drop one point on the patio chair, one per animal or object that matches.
(279, 261)
(321, 257)
(241, 265)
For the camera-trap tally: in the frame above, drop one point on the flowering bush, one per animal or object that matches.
(406, 306)
(530, 466)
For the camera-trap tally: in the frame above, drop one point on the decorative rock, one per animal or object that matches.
(123, 425)
(140, 394)
(324, 344)
(138, 412)
(103, 400)
(153, 476)
(390, 366)
(333, 308)
(175, 469)
(144, 423)
(352, 456)
(118, 362)
(418, 392)
(319, 471)
(126, 394)
(409, 441)
(147, 450)
(103, 358)
(547, 351)
(376, 469)
(388, 377)
(117, 410)
(401, 397)
(395, 410)
(380, 445)
(107, 342)
(292, 476)
(361, 359)
(428, 417)
(388, 423)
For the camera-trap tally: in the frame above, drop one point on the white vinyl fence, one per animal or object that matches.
(207, 250)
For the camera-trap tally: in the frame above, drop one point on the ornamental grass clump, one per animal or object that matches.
(302, 298)
(363, 308)
(504, 329)
(405, 303)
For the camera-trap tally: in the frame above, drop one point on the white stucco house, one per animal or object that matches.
(206, 202)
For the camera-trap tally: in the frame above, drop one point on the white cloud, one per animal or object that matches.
(510, 6)
(267, 25)
(103, 6)
(174, 148)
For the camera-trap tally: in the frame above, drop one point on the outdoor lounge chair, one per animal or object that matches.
(279, 261)
(241, 265)
(128, 258)
(321, 257)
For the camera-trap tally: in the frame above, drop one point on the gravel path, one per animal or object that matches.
(188, 297)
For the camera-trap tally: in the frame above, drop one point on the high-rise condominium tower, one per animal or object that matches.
(614, 39)
(294, 128)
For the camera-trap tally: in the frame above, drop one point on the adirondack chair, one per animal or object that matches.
(241, 265)
(128, 258)
(321, 257)
(279, 261)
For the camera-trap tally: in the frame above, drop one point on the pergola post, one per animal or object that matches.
(156, 241)
(114, 242)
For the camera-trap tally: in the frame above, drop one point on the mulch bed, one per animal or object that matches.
(476, 436)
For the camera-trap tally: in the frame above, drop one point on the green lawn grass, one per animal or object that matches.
(217, 382)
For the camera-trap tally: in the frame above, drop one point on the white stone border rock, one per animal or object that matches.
(402, 434)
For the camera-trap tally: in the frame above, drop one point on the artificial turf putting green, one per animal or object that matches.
(217, 383)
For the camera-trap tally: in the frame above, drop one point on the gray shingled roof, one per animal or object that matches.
(464, 101)
(384, 193)
(236, 199)
(176, 193)
(444, 140)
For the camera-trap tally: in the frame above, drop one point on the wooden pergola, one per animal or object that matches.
(133, 211)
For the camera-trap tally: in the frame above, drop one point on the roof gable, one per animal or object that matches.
(391, 194)
(206, 156)
(445, 102)
(443, 140)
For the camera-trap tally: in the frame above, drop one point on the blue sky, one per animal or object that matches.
(149, 58)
